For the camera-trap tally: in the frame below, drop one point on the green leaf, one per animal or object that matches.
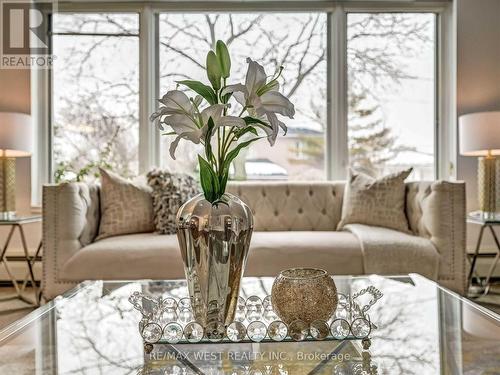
(205, 91)
(224, 58)
(225, 98)
(252, 120)
(213, 70)
(248, 129)
(223, 182)
(229, 159)
(208, 136)
(209, 181)
(234, 153)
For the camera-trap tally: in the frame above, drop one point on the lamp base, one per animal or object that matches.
(488, 194)
(7, 185)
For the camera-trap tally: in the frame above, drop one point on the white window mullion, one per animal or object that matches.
(446, 99)
(148, 78)
(41, 112)
(41, 159)
(336, 132)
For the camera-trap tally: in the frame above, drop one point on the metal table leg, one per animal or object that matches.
(474, 258)
(33, 260)
(29, 276)
(28, 261)
(3, 260)
(494, 263)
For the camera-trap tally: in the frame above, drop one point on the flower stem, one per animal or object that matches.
(242, 111)
(230, 140)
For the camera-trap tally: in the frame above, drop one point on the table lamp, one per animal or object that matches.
(480, 136)
(15, 141)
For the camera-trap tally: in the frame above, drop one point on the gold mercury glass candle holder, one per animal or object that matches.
(306, 294)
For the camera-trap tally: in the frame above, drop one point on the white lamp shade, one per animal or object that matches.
(480, 134)
(15, 134)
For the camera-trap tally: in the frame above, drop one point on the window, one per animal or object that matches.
(388, 87)
(95, 94)
(296, 41)
(391, 92)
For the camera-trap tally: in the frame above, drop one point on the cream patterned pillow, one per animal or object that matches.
(125, 207)
(378, 202)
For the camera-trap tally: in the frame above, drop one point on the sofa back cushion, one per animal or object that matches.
(266, 198)
(285, 205)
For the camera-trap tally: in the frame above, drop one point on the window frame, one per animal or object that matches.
(336, 136)
(141, 111)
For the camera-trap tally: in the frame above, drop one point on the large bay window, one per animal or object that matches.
(364, 83)
(296, 41)
(391, 92)
(95, 94)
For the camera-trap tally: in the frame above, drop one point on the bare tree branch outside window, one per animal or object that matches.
(96, 88)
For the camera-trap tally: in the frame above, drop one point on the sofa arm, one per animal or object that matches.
(436, 210)
(70, 221)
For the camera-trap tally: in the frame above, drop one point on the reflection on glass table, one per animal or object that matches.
(93, 329)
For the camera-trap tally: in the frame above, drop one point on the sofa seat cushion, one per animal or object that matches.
(153, 256)
(391, 252)
(127, 257)
(339, 253)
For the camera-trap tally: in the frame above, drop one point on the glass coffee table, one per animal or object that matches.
(93, 329)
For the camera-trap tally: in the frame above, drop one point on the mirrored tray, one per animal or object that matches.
(170, 321)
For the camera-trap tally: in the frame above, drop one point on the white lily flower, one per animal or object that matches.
(260, 98)
(248, 94)
(262, 101)
(256, 76)
(275, 125)
(175, 101)
(275, 102)
(215, 111)
(186, 128)
(194, 137)
(178, 112)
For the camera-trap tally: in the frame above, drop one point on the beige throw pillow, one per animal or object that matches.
(125, 207)
(378, 202)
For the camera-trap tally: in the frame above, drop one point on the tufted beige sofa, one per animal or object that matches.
(294, 226)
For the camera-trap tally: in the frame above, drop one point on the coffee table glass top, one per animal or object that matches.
(93, 329)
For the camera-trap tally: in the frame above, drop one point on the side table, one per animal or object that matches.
(17, 223)
(489, 222)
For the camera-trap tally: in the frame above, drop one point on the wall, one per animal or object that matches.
(478, 71)
(15, 97)
(478, 83)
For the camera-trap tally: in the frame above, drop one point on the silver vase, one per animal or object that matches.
(214, 241)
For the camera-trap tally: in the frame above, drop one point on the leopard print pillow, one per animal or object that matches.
(170, 192)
